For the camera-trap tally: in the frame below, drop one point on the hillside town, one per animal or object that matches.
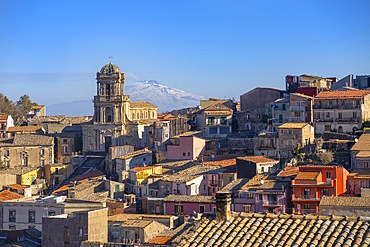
(279, 167)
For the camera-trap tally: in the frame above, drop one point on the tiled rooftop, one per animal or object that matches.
(32, 140)
(221, 162)
(289, 171)
(264, 182)
(292, 125)
(134, 104)
(7, 195)
(345, 201)
(277, 230)
(136, 223)
(15, 186)
(307, 175)
(190, 173)
(363, 154)
(363, 143)
(134, 154)
(258, 159)
(160, 240)
(189, 198)
(15, 129)
(342, 94)
(360, 173)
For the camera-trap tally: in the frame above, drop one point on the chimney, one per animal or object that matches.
(223, 203)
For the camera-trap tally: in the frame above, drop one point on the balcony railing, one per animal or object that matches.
(306, 198)
(347, 120)
(271, 204)
(346, 106)
(297, 119)
(297, 108)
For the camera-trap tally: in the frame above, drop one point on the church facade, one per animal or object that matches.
(117, 121)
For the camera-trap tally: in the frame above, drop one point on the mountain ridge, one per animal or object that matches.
(164, 97)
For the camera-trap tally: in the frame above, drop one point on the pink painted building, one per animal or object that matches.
(189, 148)
(182, 204)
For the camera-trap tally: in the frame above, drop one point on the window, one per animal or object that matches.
(51, 213)
(31, 216)
(328, 127)
(211, 121)
(12, 215)
(65, 141)
(307, 206)
(42, 163)
(247, 208)
(183, 154)
(325, 192)
(250, 196)
(306, 193)
(42, 152)
(65, 149)
(366, 164)
(201, 208)
(364, 184)
(178, 209)
(340, 115)
(328, 115)
(12, 227)
(188, 153)
(7, 152)
(328, 175)
(354, 114)
(260, 197)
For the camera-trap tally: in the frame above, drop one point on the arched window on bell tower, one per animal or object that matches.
(107, 90)
(108, 115)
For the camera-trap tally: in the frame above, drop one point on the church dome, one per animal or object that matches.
(110, 69)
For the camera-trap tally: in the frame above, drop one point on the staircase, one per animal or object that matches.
(89, 164)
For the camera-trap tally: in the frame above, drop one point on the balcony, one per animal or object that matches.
(347, 120)
(297, 119)
(271, 204)
(329, 120)
(306, 198)
(297, 108)
(346, 106)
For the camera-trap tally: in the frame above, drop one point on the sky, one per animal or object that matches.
(52, 50)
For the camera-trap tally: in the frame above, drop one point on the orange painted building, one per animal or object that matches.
(313, 182)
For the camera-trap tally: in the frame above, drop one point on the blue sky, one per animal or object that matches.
(212, 48)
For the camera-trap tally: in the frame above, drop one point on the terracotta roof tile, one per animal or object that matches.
(363, 143)
(23, 129)
(160, 240)
(7, 195)
(134, 104)
(289, 171)
(360, 173)
(293, 125)
(342, 94)
(307, 175)
(15, 186)
(258, 159)
(134, 154)
(222, 163)
(363, 154)
(189, 198)
(277, 230)
(349, 201)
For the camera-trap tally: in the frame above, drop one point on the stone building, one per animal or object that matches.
(254, 113)
(117, 121)
(73, 228)
(292, 134)
(27, 150)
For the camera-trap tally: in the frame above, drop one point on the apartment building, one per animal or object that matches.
(314, 182)
(341, 111)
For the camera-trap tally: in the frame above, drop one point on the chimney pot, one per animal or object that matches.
(223, 203)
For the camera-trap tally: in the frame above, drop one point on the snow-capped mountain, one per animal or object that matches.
(165, 98)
